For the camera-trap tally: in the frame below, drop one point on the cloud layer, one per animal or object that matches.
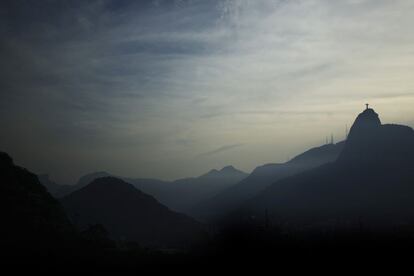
(159, 88)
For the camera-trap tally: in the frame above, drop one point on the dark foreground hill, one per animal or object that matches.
(262, 177)
(131, 215)
(371, 183)
(30, 216)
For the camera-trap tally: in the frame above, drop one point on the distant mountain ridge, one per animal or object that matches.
(262, 177)
(229, 171)
(129, 214)
(53, 188)
(88, 178)
(182, 194)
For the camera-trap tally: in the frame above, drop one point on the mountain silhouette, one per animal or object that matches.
(262, 177)
(30, 216)
(59, 191)
(129, 214)
(88, 178)
(369, 141)
(227, 171)
(55, 189)
(182, 194)
(186, 193)
(371, 182)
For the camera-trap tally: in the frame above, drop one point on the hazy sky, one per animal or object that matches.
(168, 89)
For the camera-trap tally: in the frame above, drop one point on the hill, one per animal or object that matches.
(262, 177)
(31, 218)
(182, 194)
(129, 214)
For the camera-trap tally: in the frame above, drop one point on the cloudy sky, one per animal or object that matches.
(173, 88)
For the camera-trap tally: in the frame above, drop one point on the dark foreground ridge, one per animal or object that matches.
(30, 216)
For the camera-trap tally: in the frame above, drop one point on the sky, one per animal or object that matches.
(169, 89)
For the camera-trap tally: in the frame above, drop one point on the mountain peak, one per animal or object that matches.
(130, 215)
(363, 136)
(212, 172)
(369, 114)
(225, 171)
(366, 121)
(370, 142)
(88, 178)
(110, 183)
(228, 168)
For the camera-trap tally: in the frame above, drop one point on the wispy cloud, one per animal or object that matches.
(126, 80)
(220, 150)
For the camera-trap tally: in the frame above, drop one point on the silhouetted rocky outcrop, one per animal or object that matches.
(372, 182)
(369, 142)
(129, 214)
